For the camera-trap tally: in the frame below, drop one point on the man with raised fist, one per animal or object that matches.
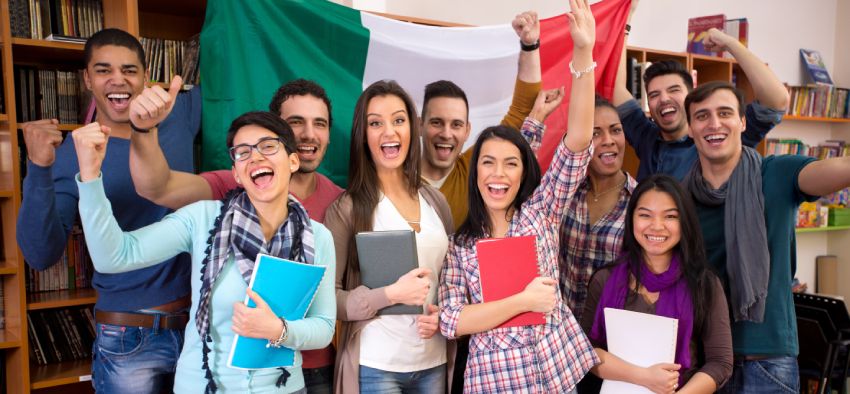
(141, 315)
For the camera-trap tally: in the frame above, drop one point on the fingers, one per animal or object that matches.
(420, 272)
(670, 366)
(548, 281)
(257, 299)
(176, 85)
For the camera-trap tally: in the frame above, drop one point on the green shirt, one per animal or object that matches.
(777, 335)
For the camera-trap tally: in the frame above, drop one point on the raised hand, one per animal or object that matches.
(546, 102)
(527, 27)
(662, 378)
(257, 322)
(90, 143)
(153, 105)
(716, 40)
(539, 295)
(428, 323)
(41, 138)
(582, 24)
(411, 289)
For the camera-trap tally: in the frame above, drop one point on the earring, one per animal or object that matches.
(238, 182)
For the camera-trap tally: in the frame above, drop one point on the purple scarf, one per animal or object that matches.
(674, 301)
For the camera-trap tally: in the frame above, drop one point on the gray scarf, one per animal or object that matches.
(747, 255)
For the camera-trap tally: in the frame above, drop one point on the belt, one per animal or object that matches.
(751, 357)
(168, 322)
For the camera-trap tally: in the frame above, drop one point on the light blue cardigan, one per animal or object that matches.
(187, 230)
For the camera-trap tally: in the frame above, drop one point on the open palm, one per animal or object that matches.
(582, 24)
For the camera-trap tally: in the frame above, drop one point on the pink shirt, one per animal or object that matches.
(222, 181)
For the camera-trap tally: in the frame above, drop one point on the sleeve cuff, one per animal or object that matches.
(38, 175)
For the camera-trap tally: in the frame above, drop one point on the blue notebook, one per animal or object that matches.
(289, 288)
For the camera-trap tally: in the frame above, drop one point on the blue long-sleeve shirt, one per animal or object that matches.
(188, 230)
(675, 158)
(49, 208)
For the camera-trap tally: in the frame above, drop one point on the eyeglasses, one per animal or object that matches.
(266, 146)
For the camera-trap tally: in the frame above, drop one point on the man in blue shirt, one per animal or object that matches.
(747, 209)
(140, 315)
(662, 144)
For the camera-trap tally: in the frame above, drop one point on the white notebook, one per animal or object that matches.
(641, 339)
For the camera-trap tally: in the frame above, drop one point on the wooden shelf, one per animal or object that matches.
(67, 372)
(60, 299)
(69, 127)
(8, 339)
(821, 229)
(815, 119)
(8, 268)
(27, 50)
(4, 118)
(6, 193)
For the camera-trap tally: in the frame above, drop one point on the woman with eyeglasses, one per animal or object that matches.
(224, 238)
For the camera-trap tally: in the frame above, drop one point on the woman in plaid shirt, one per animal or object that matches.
(507, 198)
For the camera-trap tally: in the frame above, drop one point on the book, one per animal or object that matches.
(506, 266)
(64, 38)
(813, 62)
(738, 28)
(641, 339)
(384, 257)
(289, 288)
(698, 30)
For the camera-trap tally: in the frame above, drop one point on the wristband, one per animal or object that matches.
(528, 48)
(578, 74)
(138, 130)
(284, 334)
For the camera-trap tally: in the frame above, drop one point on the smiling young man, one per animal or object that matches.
(747, 210)
(662, 144)
(305, 106)
(445, 120)
(140, 316)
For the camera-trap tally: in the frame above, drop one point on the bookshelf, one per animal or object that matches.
(166, 19)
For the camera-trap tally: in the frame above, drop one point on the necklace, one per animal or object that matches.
(597, 195)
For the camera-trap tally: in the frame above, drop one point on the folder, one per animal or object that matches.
(289, 288)
(384, 257)
(506, 266)
(641, 339)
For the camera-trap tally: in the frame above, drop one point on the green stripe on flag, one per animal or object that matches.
(250, 48)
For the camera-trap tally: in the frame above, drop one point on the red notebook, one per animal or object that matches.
(506, 266)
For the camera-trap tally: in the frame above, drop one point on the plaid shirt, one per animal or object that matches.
(585, 246)
(546, 358)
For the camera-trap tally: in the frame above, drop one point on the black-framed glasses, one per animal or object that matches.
(266, 146)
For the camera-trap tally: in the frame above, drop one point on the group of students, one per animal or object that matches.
(711, 243)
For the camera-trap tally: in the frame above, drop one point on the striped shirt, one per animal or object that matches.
(546, 358)
(585, 246)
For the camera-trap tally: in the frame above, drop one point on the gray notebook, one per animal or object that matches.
(384, 257)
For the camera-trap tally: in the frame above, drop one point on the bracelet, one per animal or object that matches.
(277, 343)
(578, 74)
(529, 47)
(138, 130)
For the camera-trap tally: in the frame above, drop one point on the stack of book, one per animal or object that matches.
(73, 271)
(167, 58)
(58, 335)
(51, 94)
(823, 101)
(59, 20)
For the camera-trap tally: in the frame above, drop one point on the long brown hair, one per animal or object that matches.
(363, 183)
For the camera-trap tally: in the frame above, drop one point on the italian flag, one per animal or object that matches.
(250, 48)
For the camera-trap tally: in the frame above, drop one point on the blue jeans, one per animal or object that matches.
(770, 375)
(319, 380)
(128, 359)
(431, 380)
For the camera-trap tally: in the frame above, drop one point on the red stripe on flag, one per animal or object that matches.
(556, 51)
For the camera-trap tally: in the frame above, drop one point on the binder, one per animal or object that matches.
(641, 339)
(384, 257)
(289, 288)
(506, 266)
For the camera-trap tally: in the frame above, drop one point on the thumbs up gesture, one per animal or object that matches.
(153, 105)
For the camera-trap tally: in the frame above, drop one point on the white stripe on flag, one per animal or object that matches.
(481, 60)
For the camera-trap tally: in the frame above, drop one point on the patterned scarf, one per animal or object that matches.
(238, 231)
(674, 301)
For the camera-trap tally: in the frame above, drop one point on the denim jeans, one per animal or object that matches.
(128, 359)
(431, 380)
(319, 380)
(771, 375)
